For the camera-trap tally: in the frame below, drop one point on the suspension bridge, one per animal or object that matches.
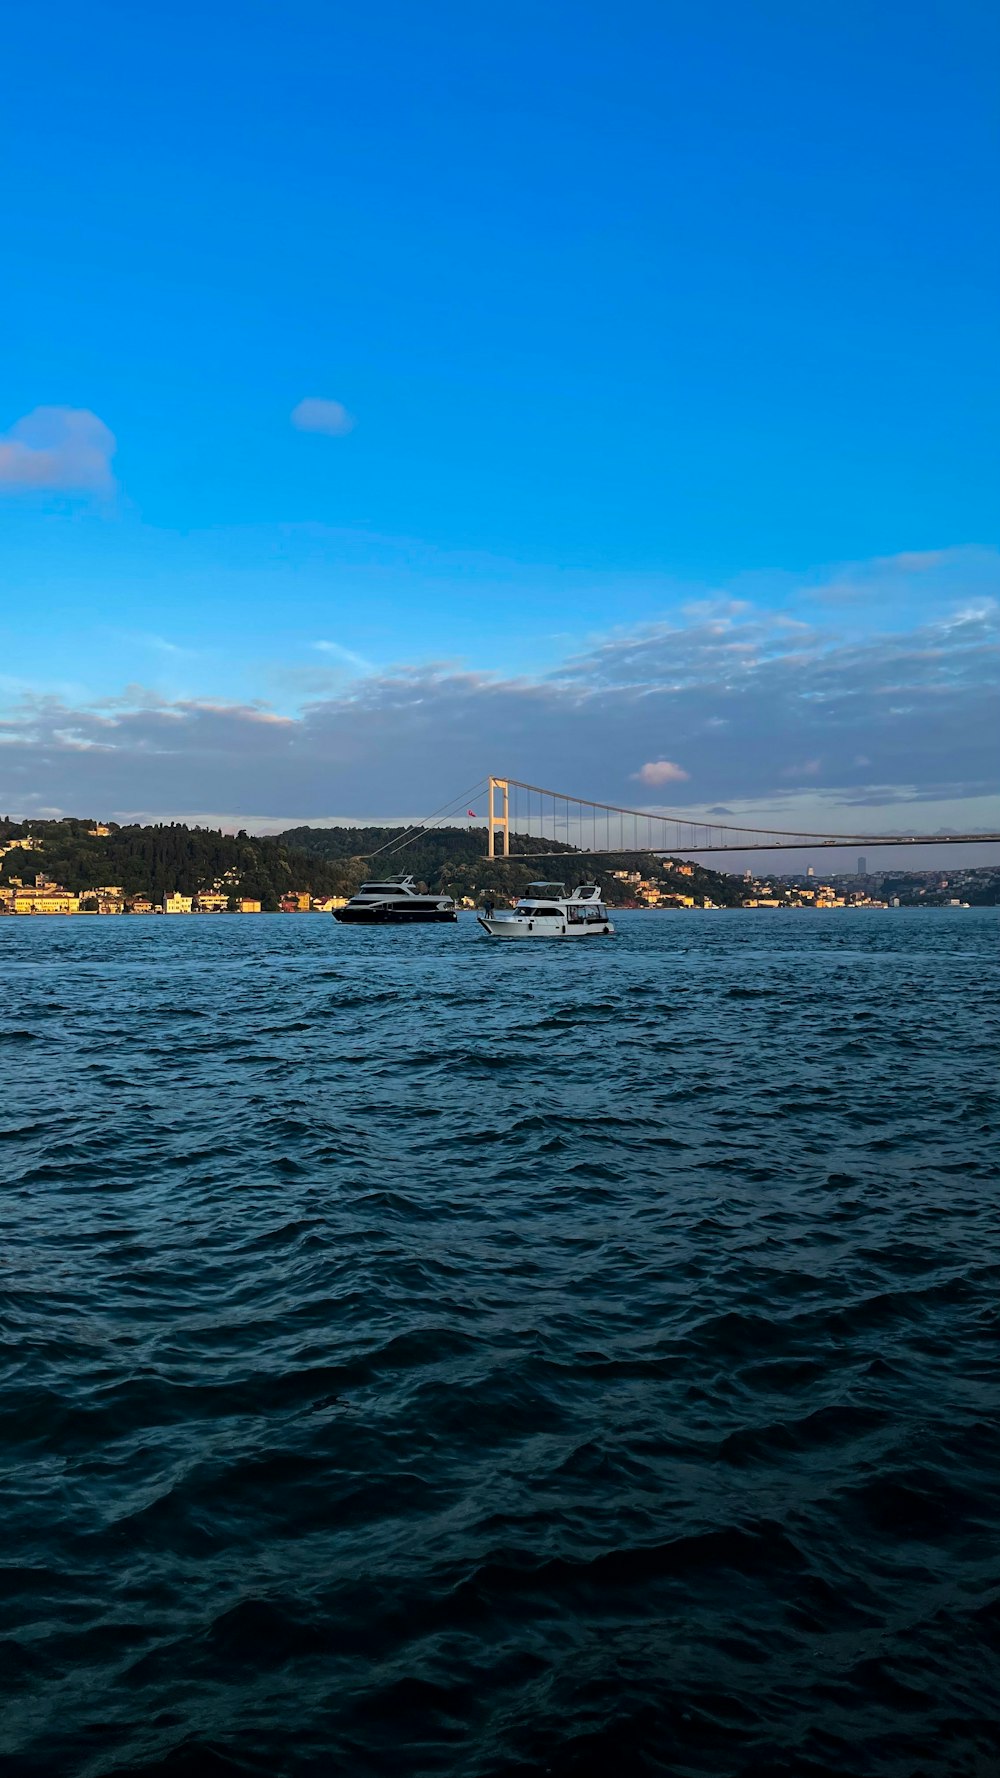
(520, 818)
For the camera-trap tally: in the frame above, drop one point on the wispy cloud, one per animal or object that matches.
(908, 581)
(65, 449)
(158, 644)
(316, 414)
(348, 655)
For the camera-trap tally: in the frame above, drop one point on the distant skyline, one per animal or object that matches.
(395, 395)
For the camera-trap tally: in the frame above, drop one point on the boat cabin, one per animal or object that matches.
(553, 901)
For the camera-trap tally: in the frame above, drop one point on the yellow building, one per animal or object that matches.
(249, 906)
(325, 904)
(177, 904)
(110, 898)
(45, 901)
(211, 903)
(28, 844)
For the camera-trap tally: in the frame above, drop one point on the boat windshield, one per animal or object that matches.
(547, 891)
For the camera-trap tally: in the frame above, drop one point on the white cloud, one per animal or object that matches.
(661, 771)
(58, 448)
(317, 415)
(844, 720)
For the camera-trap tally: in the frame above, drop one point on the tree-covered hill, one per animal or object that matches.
(159, 859)
(453, 859)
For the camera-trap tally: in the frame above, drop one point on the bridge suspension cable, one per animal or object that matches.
(530, 812)
(447, 811)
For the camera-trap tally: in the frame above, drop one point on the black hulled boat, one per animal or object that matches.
(395, 902)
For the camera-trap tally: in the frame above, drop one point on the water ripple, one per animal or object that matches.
(426, 1357)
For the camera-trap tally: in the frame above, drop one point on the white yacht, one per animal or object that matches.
(395, 902)
(548, 910)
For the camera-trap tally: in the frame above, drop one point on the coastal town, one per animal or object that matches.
(43, 895)
(648, 883)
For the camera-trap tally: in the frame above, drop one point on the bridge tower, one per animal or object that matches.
(498, 823)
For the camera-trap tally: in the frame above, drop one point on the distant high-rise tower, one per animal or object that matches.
(862, 867)
(809, 871)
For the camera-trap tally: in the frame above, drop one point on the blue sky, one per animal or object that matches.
(631, 323)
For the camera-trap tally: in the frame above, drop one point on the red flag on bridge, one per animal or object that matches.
(471, 812)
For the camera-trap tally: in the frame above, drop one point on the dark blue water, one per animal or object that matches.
(429, 1356)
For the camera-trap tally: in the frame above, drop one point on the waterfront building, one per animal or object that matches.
(211, 903)
(50, 900)
(177, 904)
(247, 905)
(110, 898)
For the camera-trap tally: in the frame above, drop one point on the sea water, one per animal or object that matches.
(425, 1355)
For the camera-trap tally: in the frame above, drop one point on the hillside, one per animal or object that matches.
(453, 859)
(158, 859)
